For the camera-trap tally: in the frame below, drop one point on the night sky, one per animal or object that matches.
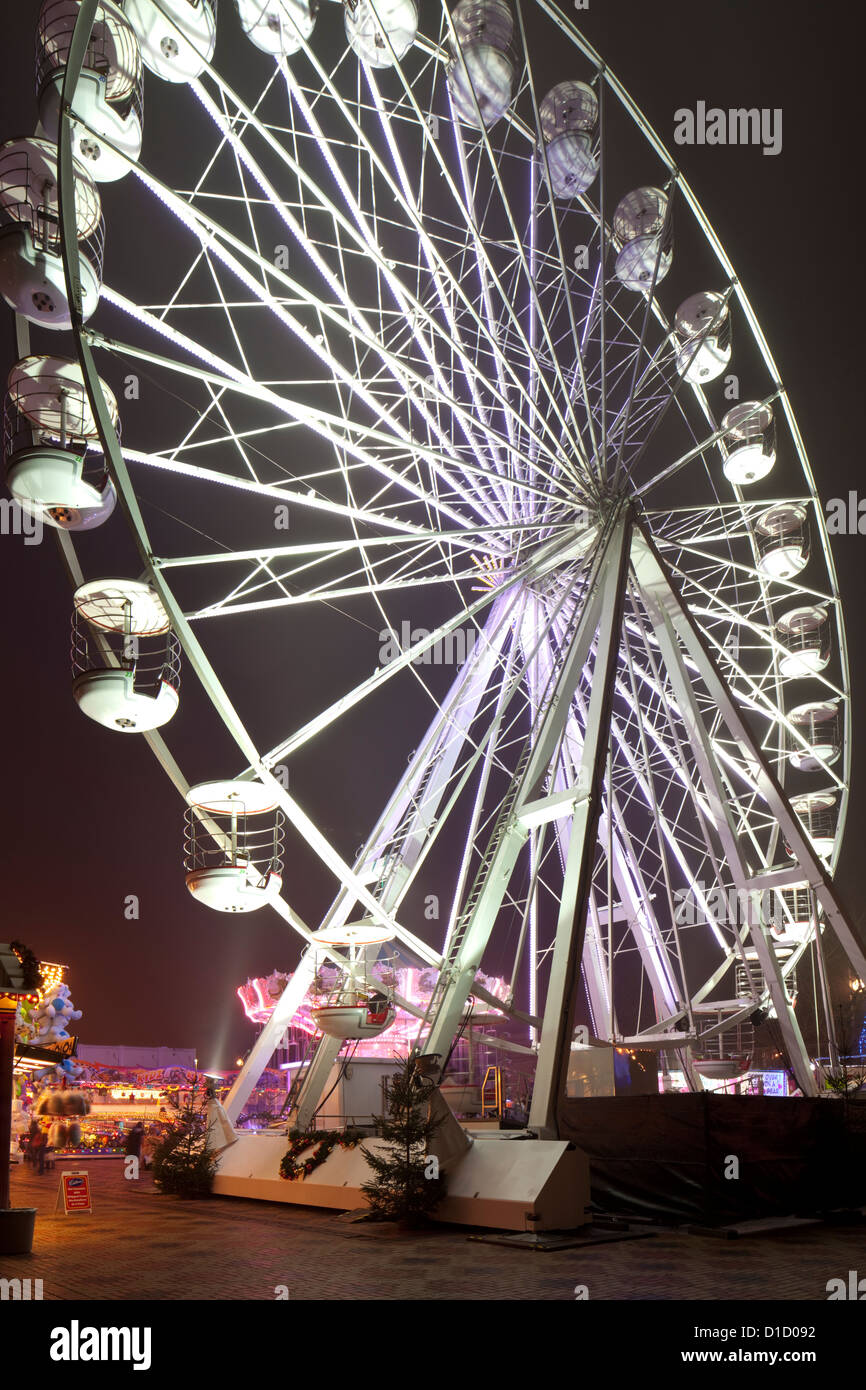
(89, 817)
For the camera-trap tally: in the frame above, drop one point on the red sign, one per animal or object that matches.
(75, 1191)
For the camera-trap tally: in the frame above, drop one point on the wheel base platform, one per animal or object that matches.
(500, 1183)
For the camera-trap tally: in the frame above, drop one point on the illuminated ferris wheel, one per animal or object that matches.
(424, 280)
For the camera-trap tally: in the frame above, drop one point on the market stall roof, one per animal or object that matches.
(12, 971)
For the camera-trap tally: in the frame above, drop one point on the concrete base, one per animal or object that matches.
(499, 1183)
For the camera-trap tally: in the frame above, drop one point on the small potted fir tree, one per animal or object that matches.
(183, 1161)
(405, 1186)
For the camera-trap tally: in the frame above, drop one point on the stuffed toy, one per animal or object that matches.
(75, 1103)
(50, 1018)
(25, 1028)
(57, 1135)
(62, 1103)
(68, 1070)
(20, 1118)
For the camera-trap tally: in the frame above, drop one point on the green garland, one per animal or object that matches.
(30, 966)
(322, 1142)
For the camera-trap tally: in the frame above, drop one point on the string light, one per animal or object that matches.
(52, 976)
(490, 573)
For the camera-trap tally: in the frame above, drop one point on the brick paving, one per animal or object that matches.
(139, 1244)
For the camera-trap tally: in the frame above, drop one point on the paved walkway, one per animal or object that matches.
(141, 1245)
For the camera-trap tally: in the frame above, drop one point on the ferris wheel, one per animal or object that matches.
(425, 281)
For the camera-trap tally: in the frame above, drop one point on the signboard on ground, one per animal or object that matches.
(74, 1192)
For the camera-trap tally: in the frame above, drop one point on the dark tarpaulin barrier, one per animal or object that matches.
(666, 1156)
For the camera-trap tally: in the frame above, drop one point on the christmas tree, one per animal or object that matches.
(406, 1184)
(183, 1164)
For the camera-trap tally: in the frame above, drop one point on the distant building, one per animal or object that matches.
(146, 1058)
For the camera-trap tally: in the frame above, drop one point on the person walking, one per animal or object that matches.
(37, 1146)
(30, 1152)
(151, 1139)
(133, 1143)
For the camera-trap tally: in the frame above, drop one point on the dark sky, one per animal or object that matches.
(90, 818)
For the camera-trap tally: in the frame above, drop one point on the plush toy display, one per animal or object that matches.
(44, 1024)
(50, 1018)
(47, 1022)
